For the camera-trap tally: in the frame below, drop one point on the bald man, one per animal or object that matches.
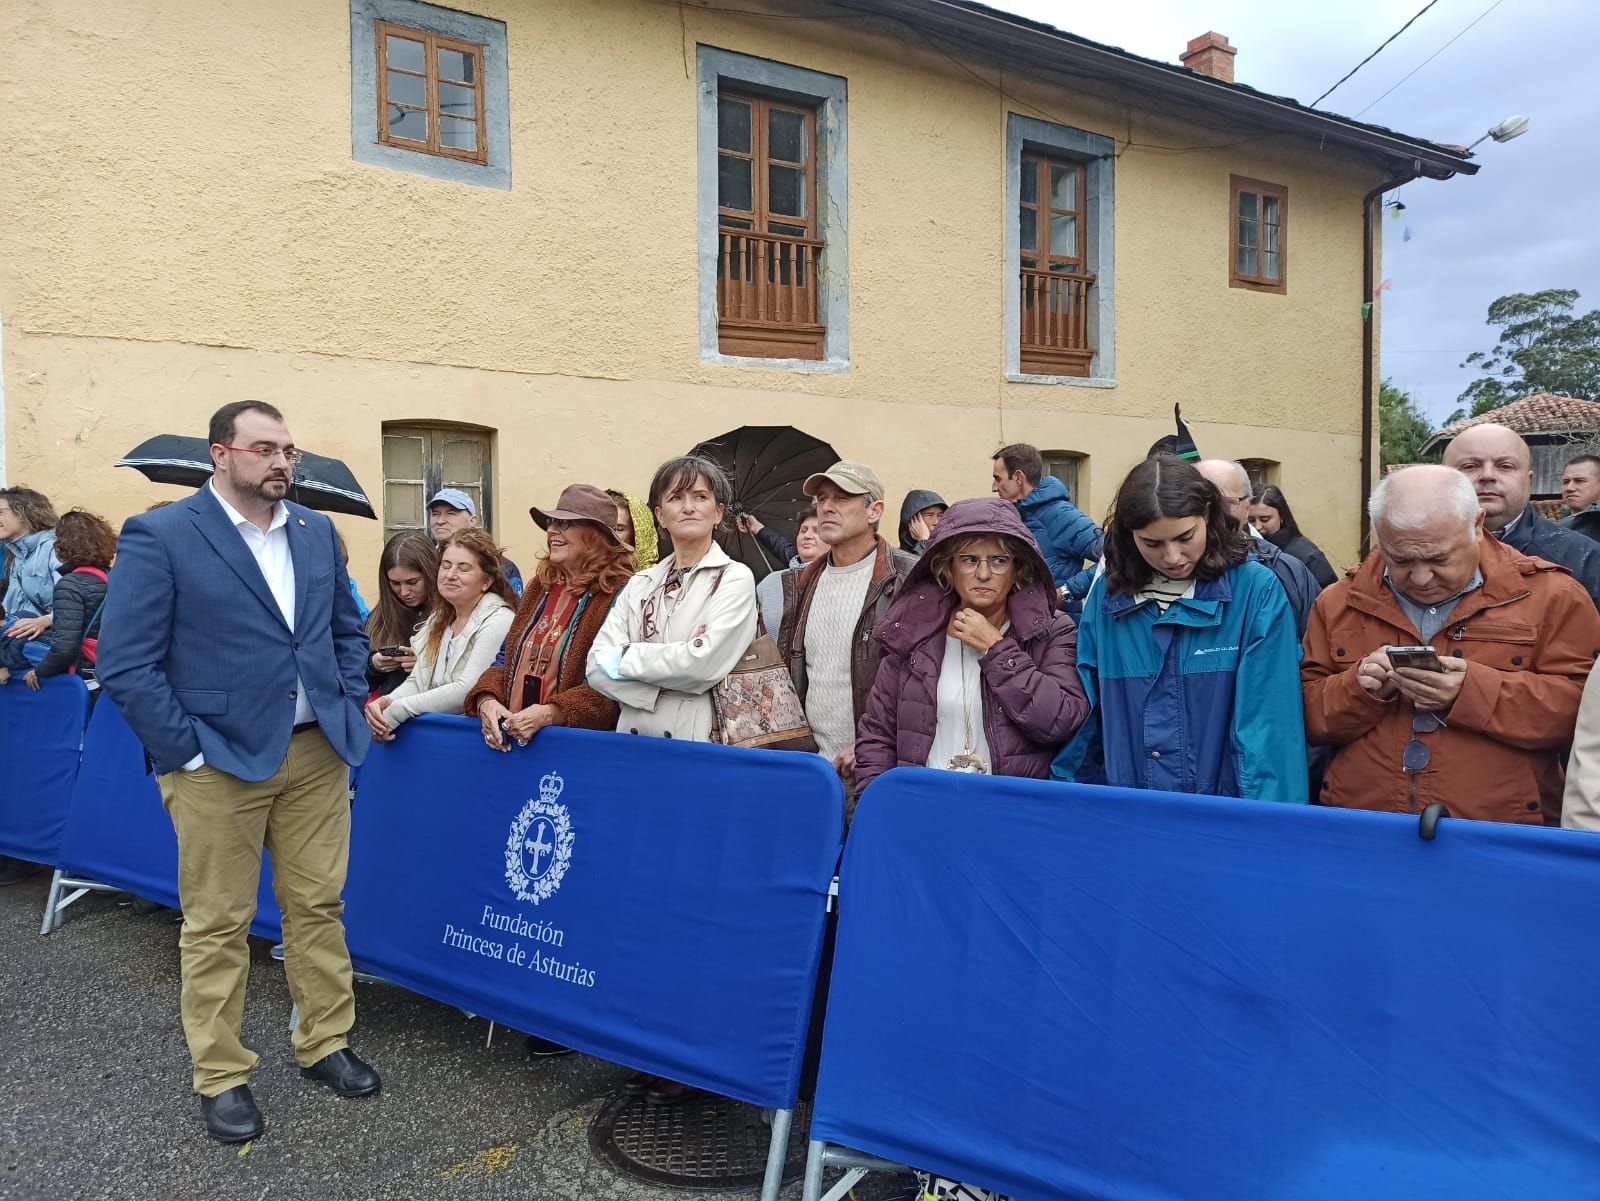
(1484, 727)
(1500, 467)
(1301, 587)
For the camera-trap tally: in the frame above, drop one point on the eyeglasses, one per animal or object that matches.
(999, 564)
(561, 524)
(268, 453)
(1417, 755)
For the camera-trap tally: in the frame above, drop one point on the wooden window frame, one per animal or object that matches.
(432, 44)
(751, 317)
(433, 436)
(1237, 186)
(1049, 346)
(1079, 462)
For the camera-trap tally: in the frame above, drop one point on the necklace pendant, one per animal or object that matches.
(969, 763)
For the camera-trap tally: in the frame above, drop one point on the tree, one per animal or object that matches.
(1543, 347)
(1402, 429)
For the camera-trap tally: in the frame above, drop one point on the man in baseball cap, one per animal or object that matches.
(831, 606)
(451, 510)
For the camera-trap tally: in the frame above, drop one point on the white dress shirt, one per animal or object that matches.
(270, 549)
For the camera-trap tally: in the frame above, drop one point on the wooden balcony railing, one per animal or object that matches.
(1055, 323)
(767, 295)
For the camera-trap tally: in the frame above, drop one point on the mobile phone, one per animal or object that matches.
(1423, 658)
(394, 652)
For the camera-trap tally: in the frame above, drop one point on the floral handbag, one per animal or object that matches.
(756, 704)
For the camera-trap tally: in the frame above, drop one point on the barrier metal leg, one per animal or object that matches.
(821, 1156)
(811, 1190)
(777, 1153)
(55, 904)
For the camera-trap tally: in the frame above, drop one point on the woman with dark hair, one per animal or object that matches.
(1269, 513)
(538, 678)
(680, 627)
(978, 672)
(461, 637)
(85, 544)
(28, 534)
(1187, 651)
(408, 573)
(675, 631)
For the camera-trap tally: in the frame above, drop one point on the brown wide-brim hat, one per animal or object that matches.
(582, 502)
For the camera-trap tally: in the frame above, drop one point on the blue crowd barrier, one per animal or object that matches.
(118, 833)
(658, 904)
(40, 736)
(1095, 994)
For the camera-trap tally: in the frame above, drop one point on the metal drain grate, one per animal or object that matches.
(707, 1142)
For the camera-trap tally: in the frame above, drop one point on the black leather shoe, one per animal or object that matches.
(543, 1048)
(344, 1073)
(13, 871)
(232, 1117)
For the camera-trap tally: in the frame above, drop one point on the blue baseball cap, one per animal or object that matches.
(455, 498)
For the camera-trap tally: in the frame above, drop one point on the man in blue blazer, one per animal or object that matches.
(232, 644)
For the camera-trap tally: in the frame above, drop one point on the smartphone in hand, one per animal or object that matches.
(1423, 658)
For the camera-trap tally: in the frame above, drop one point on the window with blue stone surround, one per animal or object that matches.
(429, 92)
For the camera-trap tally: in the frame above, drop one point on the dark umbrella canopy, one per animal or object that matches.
(768, 464)
(324, 484)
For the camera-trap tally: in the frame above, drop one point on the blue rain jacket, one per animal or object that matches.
(1204, 698)
(1066, 538)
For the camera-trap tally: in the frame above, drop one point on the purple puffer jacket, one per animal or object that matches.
(1032, 698)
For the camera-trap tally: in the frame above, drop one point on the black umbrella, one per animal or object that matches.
(326, 485)
(768, 464)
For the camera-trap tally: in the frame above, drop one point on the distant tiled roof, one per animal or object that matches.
(1540, 413)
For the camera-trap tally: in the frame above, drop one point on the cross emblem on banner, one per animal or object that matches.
(539, 847)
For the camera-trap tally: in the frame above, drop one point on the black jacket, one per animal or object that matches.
(74, 616)
(1306, 551)
(1298, 583)
(1546, 540)
(916, 500)
(779, 547)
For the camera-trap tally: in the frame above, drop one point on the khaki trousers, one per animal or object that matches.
(302, 816)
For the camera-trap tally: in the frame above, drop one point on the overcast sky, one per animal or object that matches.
(1525, 222)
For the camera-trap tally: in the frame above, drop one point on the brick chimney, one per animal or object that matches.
(1210, 54)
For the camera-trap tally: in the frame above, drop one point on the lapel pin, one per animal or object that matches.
(302, 521)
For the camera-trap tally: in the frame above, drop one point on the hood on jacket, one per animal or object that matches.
(646, 546)
(916, 500)
(922, 608)
(1047, 490)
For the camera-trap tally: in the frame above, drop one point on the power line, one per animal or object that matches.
(1374, 54)
(1439, 51)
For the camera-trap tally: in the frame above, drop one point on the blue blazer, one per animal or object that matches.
(196, 654)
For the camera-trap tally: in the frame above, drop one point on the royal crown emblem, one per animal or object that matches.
(539, 848)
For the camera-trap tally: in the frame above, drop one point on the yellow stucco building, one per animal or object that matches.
(524, 243)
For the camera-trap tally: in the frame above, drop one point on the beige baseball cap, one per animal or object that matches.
(855, 478)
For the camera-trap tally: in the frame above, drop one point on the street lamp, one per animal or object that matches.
(1511, 127)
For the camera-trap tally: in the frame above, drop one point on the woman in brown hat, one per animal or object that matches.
(538, 678)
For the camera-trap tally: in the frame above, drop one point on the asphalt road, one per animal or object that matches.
(95, 1100)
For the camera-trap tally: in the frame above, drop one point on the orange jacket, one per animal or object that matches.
(1529, 636)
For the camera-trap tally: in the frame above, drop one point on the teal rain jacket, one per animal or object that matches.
(1204, 698)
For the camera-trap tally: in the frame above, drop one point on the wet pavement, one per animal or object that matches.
(95, 1103)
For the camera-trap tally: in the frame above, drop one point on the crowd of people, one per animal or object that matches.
(1196, 641)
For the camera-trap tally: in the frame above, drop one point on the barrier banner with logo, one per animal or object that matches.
(1062, 991)
(655, 903)
(40, 734)
(119, 833)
